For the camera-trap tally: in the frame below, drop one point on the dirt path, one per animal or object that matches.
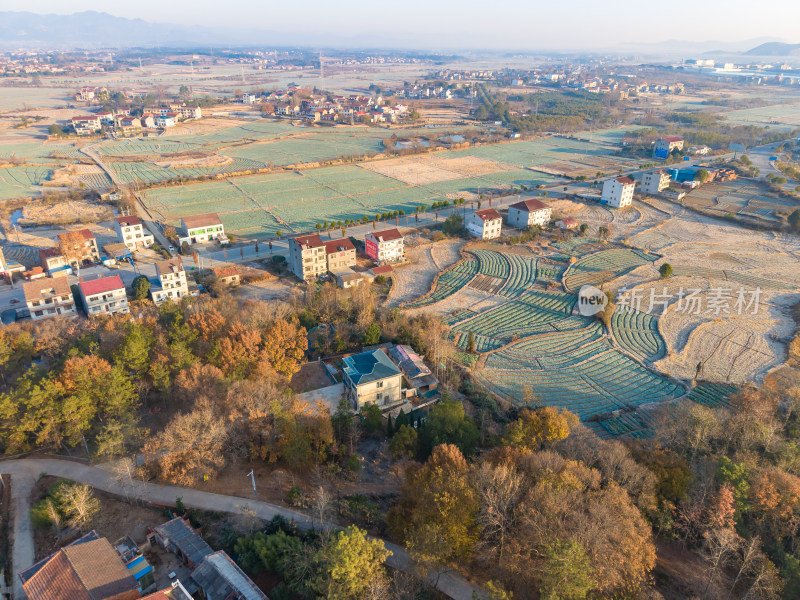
(26, 471)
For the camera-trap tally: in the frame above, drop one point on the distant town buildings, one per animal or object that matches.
(105, 295)
(618, 192)
(49, 297)
(385, 246)
(529, 212)
(484, 224)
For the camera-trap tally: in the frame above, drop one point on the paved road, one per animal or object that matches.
(26, 471)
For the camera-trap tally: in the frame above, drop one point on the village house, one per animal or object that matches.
(529, 212)
(340, 254)
(178, 537)
(198, 229)
(9, 267)
(664, 146)
(86, 125)
(618, 192)
(654, 182)
(385, 246)
(484, 224)
(53, 262)
(86, 94)
(167, 120)
(127, 123)
(418, 375)
(567, 223)
(227, 276)
(170, 281)
(87, 569)
(249, 98)
(49, 297)
(217, 576)
(307, 257)
(371, 378)
(147, 121)
(105, 295)
(130, 232)
(86, 249)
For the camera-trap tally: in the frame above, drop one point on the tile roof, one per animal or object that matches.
(488, 214)
(102, 285)
(227, 271)
(369, 366)
(165, 267)
(129, 220)
(85, 234)
(672, 139)
(32, 570)
(220, 577)
(309, 241)
(387, 235)
(625, 180)
(186, 539)
(206, 220)
(340, 245)
(45, 288)
(530, 205)
(87, 571)
(382, 269)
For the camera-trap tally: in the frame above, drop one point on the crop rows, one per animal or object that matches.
(96, 181)
(713, 394)
(449, 282)
(752, 281)
(522, 276)
(604, 266)
(601, 383)
(630, 424)
(458, 316)
(552, 343)
(637, 332)
(492, 263)
(17, 181)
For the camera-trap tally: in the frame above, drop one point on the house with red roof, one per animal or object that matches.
(385, 246)
(618, 192)
(308, 259)
(664, 146)
(484, 224)
(528, 212)
(105, 295)
(340, 254)
(130, 232)
(81, 243)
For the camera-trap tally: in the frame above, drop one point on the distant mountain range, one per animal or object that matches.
(775, 49)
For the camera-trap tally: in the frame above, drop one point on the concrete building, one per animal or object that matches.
(228, 275)
(371, 378)
(484, 224)
(86, 125)
(54, 262)
(340, 254)
(664, 146)
(529, 212)
(81, 243)
(654, 182)
(249, 98)
(385, 246)
(105, 295)
(130, 232)
(170, 281)
(307, 257)
(618, 192)
(347, 278)
(199, 229)
(49, 297)
(567, 223)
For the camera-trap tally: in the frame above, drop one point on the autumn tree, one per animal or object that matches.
(284, 346)
(538, 427)
(71, 247)
(77, 503)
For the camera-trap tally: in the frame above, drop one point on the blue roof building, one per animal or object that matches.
(372, 378)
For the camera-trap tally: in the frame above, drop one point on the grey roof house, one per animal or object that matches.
(372, 378)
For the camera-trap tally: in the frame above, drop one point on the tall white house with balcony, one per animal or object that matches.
(529, 212)
(104, 296)
(198, 229)
(618, 192)
(308, 257)
(654, 182)
(385, 246)
(371, 378)
(130, 232)
(170, 281)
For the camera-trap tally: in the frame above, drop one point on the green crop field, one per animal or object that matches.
(17, 181)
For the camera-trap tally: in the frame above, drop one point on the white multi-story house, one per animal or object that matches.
(485, 224)
(130, 232)
(165, 121)
(86, 125)
(654, 182)
(105, 295)
(664, 146)
(249, 98)
(308, 257)
(170, 281)
(371, 378)
(529, 212)
(618, 192)
(385, 246)
(79, 243)
(48, 298)
(199, 229)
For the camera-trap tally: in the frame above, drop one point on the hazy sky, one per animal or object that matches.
(488, 23)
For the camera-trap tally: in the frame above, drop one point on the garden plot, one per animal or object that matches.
(604, 266)
(741, 197)
(783, 116)
(16, 182)
(637, 333)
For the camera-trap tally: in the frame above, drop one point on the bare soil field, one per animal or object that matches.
(64, 212)
(427, 169)
(411, 280)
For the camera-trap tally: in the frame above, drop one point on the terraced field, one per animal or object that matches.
(18, 181)
(603, 266)
(449, 282)
(637, 333)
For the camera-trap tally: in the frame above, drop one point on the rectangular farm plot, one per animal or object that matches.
(16, 182)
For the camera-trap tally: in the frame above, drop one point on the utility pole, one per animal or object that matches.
(252, 480)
